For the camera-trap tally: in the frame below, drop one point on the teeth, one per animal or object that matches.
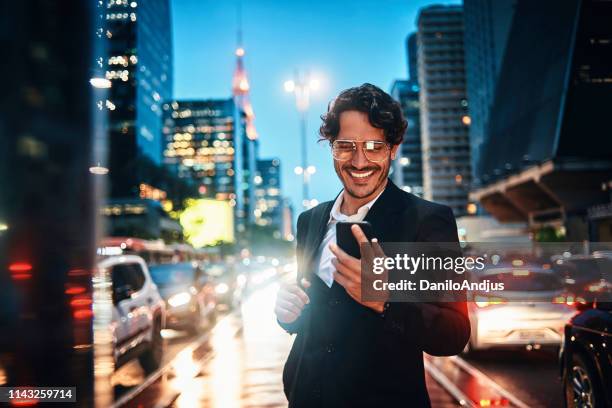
(361, 175)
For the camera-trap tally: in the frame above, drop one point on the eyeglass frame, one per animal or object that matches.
(354, 142)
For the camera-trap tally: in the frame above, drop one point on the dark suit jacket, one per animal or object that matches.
(347, 355)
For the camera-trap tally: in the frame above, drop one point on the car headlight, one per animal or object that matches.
(221, 288)
(179, 299)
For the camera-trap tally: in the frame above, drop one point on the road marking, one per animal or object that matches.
(470, 369)
(448, 385)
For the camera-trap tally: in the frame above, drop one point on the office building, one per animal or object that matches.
(547, 158)
(139, 66)
(288, 231)
(411, 55)
(486, 24)
(200, 145)
(269, 202)
(207, 150)
(408, 168)
(443, 107)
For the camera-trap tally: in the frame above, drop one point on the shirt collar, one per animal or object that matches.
(335, 215)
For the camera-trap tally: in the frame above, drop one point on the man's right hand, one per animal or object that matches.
(290, 302)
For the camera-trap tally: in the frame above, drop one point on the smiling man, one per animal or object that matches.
(348, 352)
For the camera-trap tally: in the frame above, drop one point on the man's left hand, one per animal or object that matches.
(348, 269)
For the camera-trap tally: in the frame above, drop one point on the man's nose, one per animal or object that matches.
(359, 160)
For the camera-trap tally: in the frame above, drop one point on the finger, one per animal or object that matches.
(377, 248)
(296, 290)
(293, 298)
(350, 287)
(355, 296)
(346, 271)
(342, 280)
(358, 234)
(283, 304)
(305, 283)
(344, 257)
(285, 316)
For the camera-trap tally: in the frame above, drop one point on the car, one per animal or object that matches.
(584, 275)
(529, 313)
(585, 357)
(189, 295)
(229, 284)
(139, 313)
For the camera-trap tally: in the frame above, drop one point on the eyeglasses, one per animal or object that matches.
(374, 150)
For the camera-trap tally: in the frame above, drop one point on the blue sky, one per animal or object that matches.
(343, 43)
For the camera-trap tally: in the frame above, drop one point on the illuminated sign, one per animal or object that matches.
(207, 222)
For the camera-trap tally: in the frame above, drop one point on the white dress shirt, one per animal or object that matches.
(326, 268)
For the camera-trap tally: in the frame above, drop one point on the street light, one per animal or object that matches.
(301, 86)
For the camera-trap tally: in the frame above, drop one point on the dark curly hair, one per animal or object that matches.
(382, 110)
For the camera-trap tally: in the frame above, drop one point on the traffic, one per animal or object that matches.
(163, 305)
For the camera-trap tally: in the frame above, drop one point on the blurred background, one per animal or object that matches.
(156, 154)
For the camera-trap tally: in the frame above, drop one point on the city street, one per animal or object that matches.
(239, 364)
(167, 164)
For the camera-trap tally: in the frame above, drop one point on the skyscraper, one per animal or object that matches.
(408, 168)
(547, 157)
(444, 119)
(200, 145)
(139, 65)
(268, 199)
(411, 55)
(487, 24)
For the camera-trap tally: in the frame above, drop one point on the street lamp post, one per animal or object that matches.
(301, 86)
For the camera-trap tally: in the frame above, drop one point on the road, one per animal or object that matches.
(533, 376)
(239, 364)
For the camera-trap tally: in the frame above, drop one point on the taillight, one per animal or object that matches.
(486, 301)
(20, 270)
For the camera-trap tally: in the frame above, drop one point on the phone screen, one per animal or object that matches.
(347, 241)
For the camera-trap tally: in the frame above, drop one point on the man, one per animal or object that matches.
(351, 353)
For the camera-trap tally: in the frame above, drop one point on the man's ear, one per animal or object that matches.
(394, 151)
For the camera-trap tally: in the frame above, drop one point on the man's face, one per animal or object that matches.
(362, 178)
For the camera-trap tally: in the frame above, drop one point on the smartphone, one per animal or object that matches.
(347, 241)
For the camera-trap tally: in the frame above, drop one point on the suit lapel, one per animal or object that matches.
(382, 213)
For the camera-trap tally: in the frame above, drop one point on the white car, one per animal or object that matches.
(530, 313)
(139, 313)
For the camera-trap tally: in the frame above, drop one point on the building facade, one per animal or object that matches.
(200, 145)
(205, 146)
(487, 24)
(408, 168)
(547, 158)
(269, 202)
(411, 55)
(443, 107)
(139, 66)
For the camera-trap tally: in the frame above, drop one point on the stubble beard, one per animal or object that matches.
(342, 171)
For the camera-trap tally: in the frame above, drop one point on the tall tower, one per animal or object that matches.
(487, 25)
(139, 66)
(443, 104)
(246, 139)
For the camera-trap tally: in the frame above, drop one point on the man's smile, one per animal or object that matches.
(361, 177)
(361, 174)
